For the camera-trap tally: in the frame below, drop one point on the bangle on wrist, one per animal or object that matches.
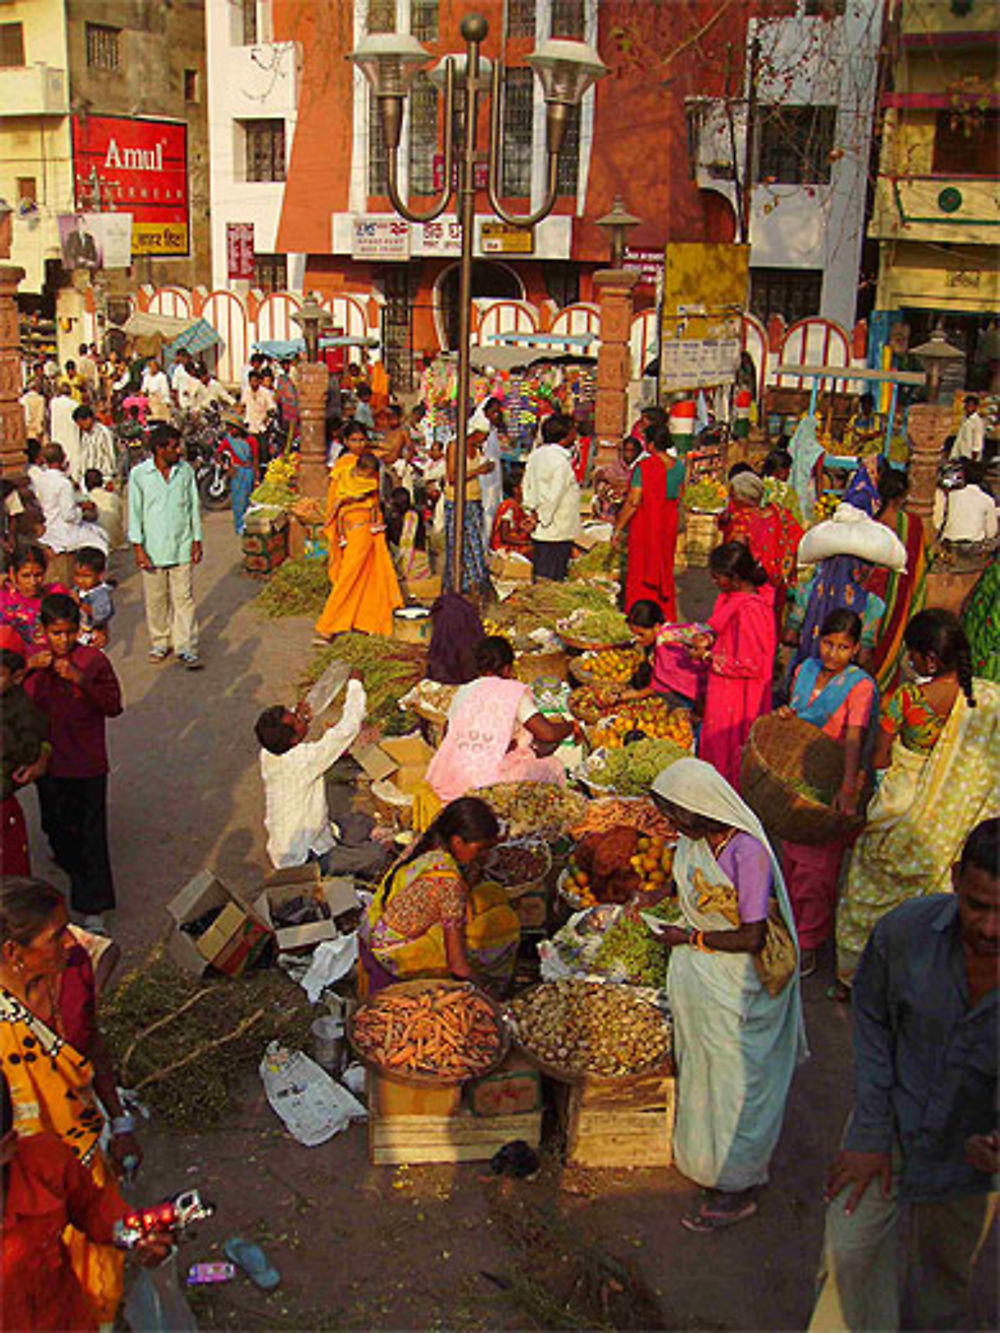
(122, 1124)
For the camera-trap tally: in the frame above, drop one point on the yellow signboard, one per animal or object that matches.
(159, 238)
(705, 289)
(499, 238)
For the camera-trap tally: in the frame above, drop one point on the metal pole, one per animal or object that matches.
(474, 34)
(751, 128)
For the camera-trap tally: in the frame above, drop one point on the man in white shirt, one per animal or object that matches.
(257, 404)
(550, 490)
(63, 430)
(489, 420)
(156, 387)
(971, 437)
(185, 383)
(967, 514)
(33, 403)
(97, 447)
(66, 528)
(294, 771)
(86, 368)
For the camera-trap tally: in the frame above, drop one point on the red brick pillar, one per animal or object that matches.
(314, 380)
(12, 457)
(927, 424)
(614, 294)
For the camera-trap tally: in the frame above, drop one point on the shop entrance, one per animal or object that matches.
(488, 280)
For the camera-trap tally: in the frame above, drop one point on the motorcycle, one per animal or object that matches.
(202, 433)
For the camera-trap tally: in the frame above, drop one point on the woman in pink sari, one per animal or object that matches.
(740, 656)
(493, 723)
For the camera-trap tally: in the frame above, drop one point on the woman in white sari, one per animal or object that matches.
(733, 987)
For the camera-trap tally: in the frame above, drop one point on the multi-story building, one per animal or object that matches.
(937, 205)
(791, 154)
(102, 111)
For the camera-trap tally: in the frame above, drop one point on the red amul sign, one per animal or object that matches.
(128, 165)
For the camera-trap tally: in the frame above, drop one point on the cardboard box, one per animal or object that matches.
(510, 566)
(513, 1089)
(298, 882)
(233, 940)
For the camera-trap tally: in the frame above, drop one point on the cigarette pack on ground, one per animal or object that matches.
(336, 896)
(213, 928)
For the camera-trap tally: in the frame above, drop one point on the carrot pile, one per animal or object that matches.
(445, 1032)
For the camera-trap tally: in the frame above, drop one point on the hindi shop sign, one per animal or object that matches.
(380, 237)
(239, 250)
(125, 164)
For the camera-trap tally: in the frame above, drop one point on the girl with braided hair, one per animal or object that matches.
(936, 754)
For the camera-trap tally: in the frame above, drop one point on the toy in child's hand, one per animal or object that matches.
(163, 1219)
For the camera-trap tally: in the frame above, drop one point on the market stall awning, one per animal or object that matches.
(197, 337)
(143, 324)
(520, 357)
(285, 347)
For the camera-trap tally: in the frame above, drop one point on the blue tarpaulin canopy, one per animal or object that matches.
(284, 347)
(197, 337)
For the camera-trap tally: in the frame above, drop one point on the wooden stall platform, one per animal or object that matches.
(608, 1126)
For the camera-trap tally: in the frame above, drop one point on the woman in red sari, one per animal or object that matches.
(740, 656)
(769, 530)
(650, 515)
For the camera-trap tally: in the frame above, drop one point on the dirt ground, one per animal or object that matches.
(436, 1247)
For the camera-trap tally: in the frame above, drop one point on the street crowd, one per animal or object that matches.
(909, 900)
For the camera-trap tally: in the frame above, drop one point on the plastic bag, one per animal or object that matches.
(311, 1104)
(155, 1302)
(326, 689)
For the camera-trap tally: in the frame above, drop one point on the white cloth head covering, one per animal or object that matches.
(748, 486)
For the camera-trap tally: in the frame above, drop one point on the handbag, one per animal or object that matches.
(778, 961)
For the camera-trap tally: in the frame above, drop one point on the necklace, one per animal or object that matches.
(719, 847)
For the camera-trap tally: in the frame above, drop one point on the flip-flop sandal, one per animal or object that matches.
(704, 1220)
(253, 1261)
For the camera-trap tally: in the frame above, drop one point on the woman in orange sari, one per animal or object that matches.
(55, 1064)
(364, 589)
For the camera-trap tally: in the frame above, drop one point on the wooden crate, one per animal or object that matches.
(513, 1089)
(411, 1125)
(701, 537)
(618, 1127)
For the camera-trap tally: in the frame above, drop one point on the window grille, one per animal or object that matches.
(423, 135)
(11, 45)
(103, 46)
(424, 20)
(381, 15)
(378, 156)
(270, 272)
(569, 155)
(795, 144)
(792, 293)
(568, 18)
(521, 18)
(517, 132)
(265, 150)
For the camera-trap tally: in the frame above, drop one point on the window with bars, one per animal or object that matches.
(103, 46)
(382, 15)
(191, 85)
(795, 144)
(423, 135)
(27, 189)
(11, 45)
(792, 293)
(568, 18)
(270, 272)
(249, 15)
(569, 155)
(265, 149)
(378, 156)
(424, 20)
(520, 18)
(517, 128)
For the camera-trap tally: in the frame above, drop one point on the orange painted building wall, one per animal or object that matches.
(658, 53)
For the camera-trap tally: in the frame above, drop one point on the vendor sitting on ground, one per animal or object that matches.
(493, 730)
(513, 525)
(430, 919)
(863, 432)
(667, 670)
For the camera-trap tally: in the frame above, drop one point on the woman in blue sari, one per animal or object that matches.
(241, 454)
(733, 988)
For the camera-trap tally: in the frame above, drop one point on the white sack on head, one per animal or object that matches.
(852, 532)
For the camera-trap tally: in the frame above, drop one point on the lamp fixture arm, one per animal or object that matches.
(392, 136)
(496, 142)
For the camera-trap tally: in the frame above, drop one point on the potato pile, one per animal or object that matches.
(585, 1027)
(591, 702)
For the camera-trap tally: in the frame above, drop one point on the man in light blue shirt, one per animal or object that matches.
(165, 530)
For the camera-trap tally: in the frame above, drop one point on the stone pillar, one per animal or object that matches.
(928, 424)
(12, 457)
(314, 379)
(614, 294)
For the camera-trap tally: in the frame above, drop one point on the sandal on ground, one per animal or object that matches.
(253, 1261)
(711, 1214)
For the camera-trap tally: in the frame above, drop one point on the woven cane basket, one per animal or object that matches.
(782, 753)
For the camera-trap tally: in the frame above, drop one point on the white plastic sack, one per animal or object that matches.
(311, 1104)
(852, 532)
(331, 960)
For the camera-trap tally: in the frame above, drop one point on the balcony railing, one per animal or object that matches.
(33, 90)
(954, 207)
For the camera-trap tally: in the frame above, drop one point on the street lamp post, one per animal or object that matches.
(390, 62)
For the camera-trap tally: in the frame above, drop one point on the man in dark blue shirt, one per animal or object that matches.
(924, 1130)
